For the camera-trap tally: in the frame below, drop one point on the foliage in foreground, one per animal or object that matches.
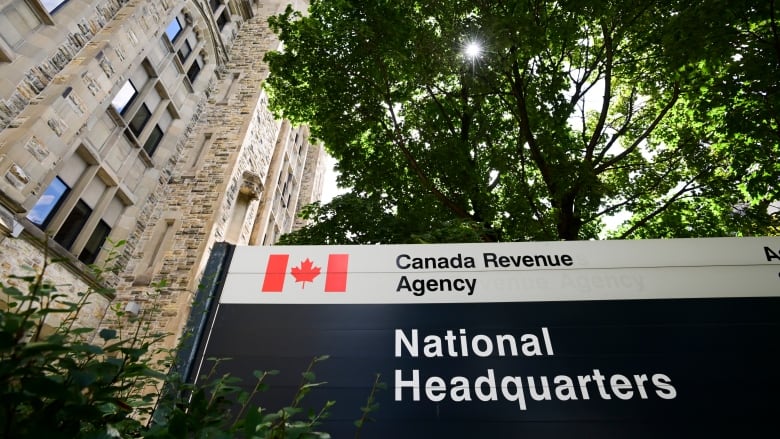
(61, 380)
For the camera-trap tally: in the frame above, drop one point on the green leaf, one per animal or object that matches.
(42, 346)
(86, 348)
(108, 334)
(311, 385)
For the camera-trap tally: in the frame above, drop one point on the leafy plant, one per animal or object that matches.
(62, 380)
(221, 408)
(371, 405)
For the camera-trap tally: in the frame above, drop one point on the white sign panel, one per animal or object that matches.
(505, 272)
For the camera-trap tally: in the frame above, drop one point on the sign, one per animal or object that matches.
(679, 338)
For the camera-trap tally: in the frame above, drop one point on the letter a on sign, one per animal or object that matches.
(306, 271)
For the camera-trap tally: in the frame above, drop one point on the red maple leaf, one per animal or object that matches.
(306, 272)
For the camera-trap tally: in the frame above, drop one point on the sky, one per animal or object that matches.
(329, 188)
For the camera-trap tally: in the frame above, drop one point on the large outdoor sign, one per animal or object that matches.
(658, 338)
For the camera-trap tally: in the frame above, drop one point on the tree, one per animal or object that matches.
(562, 113)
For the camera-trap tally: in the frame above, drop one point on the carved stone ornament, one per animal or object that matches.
(36, 148)
(57, 125)
(107, 67)
(17, 177)
(91, 83)
(251, 185)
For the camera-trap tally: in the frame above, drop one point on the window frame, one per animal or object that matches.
(53, 207)
(52, 10)
(134, 121)
(91, 250)
(127, 102)
(95, 193)
(150, 148)
(194, 70)
(180, 53)
(178, 33)
(71, 228)
(223, 19)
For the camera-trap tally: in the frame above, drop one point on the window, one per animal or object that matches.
(222, 20)
(153, 140)
(17, 20)
(194, 69)
(184, 51)
(188, 44)
(82, 203)
(174, 29)
(126, 94)
(215, 4)
(95, 243)
(287, 184)
(138, 122)
(52, 5)
(70, 229)
(50, 201)
(146, 107)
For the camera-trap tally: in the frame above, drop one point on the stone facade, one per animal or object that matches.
(143, 122)
(312, 180)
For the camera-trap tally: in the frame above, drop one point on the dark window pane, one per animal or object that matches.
(222, 19)
(95, 243)
(154, 139)
(174, 29)
(194, 70)
(73, 224)
(214, 4)
(124, 97)
(50, 201)
(185, 51)
(138, 122)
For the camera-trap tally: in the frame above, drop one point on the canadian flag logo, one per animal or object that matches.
(306, 271)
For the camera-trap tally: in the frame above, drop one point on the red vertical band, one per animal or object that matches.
(275, 272)
(336, 275)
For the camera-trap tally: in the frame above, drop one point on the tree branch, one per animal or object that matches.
(418, 170)
(597, 131)
(438, 103)
(685, 189)
(605, 165)
(518, 90)
(623, 128)
(524, 179)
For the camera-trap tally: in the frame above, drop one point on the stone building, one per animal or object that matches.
(142, 122)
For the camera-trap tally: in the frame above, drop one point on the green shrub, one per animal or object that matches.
(60, 380)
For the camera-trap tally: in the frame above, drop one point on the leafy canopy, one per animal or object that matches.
(572, 111)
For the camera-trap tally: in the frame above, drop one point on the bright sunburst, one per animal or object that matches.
(472, 49)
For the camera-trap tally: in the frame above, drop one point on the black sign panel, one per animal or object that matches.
(678, 368)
